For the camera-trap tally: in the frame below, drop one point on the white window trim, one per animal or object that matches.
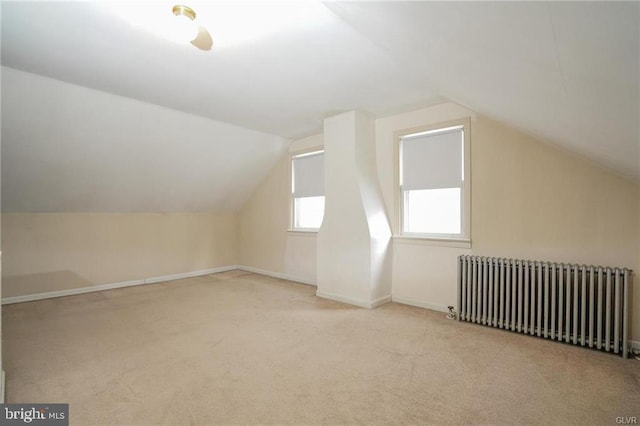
(293, 154)
(431, 241)
(303, 232)
(462, 240)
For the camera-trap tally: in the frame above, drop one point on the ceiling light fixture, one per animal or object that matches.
(185, 27)
(230, 23)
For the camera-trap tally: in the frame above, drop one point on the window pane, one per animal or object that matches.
(432, 211)
(308, 212)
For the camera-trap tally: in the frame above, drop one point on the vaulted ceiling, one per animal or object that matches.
(567, 72)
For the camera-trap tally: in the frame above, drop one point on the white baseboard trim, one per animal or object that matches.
(419, 304)
(381, 301)
(276, 275)
(351, 301)
(190, 274)
(111, 286)
(343, 299)
(635, 344)
(2, 387)
(325, 295)
(69, 292)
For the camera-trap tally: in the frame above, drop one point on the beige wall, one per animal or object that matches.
(264, 220)
(58, 251)
(529, 200)
(532, 200)
(266, 243)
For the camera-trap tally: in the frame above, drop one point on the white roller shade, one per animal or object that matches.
(308, 175)
(432, 161)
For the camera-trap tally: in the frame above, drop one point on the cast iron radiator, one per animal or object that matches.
(582, 305)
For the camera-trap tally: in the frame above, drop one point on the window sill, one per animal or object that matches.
(303, 232)
(431, 241)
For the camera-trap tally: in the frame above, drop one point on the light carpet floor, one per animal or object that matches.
(240, 348)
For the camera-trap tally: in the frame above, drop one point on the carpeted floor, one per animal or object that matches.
(239, 348)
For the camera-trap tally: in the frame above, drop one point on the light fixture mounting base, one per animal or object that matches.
(184, 11)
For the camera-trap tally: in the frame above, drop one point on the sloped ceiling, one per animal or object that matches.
(567, 72)
(66, 148)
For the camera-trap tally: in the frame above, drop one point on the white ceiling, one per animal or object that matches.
(283, 83)
(565, 71)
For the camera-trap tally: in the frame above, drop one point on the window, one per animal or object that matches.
(434, 189)
(308, 190)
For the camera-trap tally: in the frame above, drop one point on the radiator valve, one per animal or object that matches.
(451, 314)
